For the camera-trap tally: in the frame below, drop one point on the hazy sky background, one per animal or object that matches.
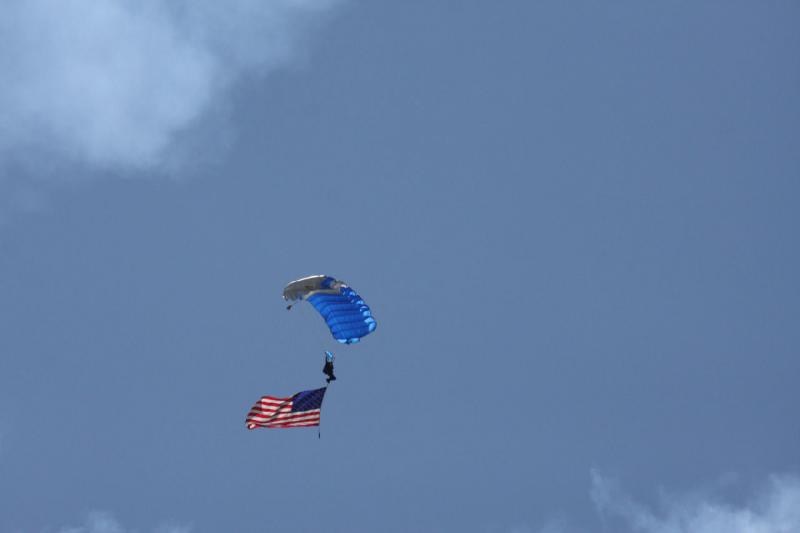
(575, 222)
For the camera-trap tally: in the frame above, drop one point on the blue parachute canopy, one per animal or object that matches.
(346, 314)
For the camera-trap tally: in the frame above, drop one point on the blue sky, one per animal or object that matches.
(575, 225)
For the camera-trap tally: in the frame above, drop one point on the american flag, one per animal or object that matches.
(300, 410)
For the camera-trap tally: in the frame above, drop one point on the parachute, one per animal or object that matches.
(346, 314)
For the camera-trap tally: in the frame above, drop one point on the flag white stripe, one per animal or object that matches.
(300, 416)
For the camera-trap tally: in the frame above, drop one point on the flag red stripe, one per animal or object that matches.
(314, 422)
(294, 424)
(285, 420)
(277, 401)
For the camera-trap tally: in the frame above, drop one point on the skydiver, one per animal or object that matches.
(328, 368)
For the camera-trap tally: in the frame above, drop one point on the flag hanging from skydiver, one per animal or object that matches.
(301, 410)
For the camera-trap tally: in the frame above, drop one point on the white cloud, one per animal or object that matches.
(112, 84)
(774, 509)
(101, 522)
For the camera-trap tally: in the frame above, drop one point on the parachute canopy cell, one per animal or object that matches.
(346, 314)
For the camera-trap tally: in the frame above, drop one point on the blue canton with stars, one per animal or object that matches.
(307, 400)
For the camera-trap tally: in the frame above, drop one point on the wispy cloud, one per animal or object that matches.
(774, 509)
(113, 84)
(102, 522)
